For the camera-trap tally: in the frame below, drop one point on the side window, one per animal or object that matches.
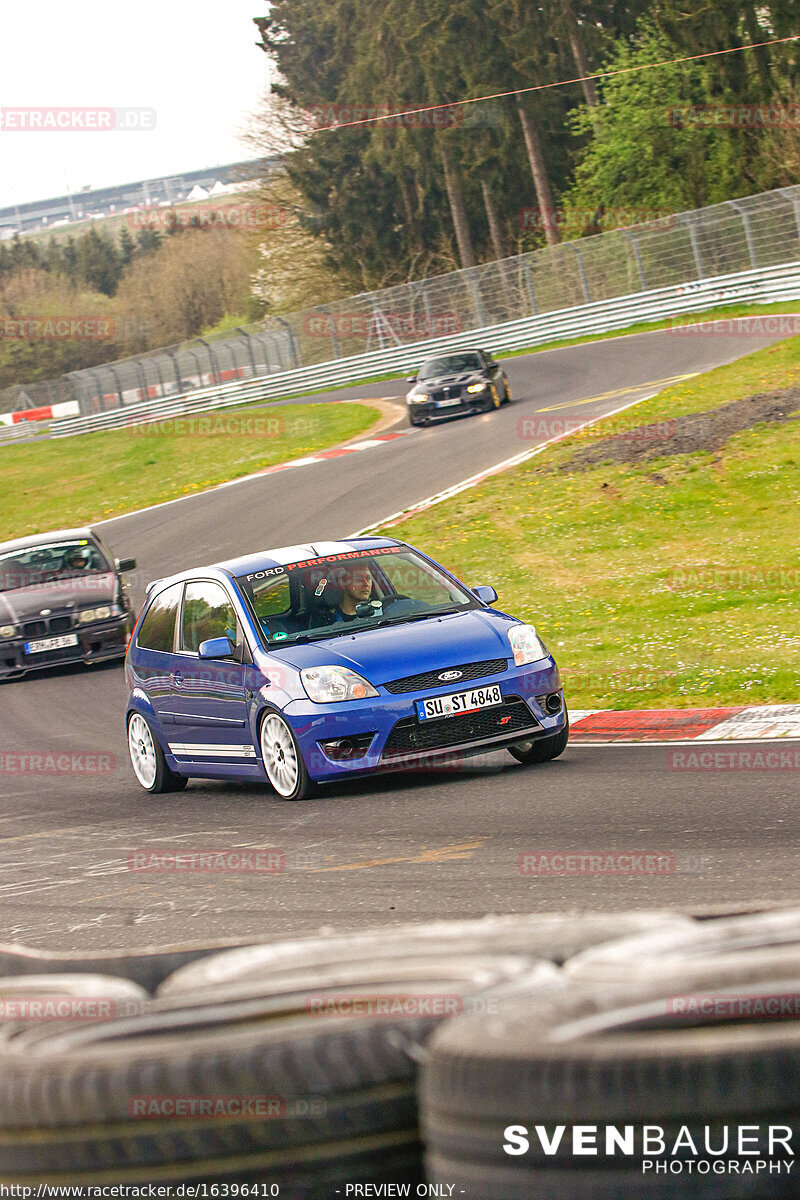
(207, 613)
(158, 627)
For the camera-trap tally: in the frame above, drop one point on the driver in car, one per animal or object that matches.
(356, 583)
(78, 558)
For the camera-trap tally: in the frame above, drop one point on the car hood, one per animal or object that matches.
(426, 385)
(27, 603)
(399, 650)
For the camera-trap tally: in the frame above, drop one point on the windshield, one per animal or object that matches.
(345, 593)
(453, 364)
(39, 565)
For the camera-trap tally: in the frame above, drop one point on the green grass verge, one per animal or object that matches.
(681, 593)
(72, 481)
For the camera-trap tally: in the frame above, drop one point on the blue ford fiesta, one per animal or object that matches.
(314, 663)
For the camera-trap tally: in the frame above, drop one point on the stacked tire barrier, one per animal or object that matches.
(474, 1054)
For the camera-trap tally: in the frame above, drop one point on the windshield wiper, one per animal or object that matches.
(359, 627)
(426, 616)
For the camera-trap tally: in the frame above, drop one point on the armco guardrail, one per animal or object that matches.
(755, 233)
(766, 286)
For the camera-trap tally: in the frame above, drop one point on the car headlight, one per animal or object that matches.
(417, 397)
(526, 644)
(96, 614)
(477, 387)
(7, 631)
(331, 685)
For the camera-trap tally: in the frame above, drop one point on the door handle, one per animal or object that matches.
(177, 677)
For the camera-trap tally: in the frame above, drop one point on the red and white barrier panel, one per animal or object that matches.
(70, 408)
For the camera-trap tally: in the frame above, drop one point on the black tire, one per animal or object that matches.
(554, 937)
(542, 749)
(494, 400)
(615, 1054)
(282, 759)
(508, 397)
(148, 761)
(67, 1095)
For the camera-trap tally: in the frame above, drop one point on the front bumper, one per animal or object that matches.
(400, 740)
(97, 642)
(468, 405)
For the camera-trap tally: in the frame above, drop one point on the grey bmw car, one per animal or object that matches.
(452, 385)
(63, 598)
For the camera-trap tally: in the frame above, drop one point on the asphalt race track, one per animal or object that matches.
(398, 848)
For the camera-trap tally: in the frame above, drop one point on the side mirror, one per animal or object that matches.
(411, 379)
(125, 564)
(485, 593)
(216, 648)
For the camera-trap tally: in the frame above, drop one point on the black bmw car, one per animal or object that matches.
(63, 599)
(456, 384)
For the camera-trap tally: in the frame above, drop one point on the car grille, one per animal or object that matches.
(446, 393)
(430, 679)
(411, 734)
(46, 627)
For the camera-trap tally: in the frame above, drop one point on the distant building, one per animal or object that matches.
(105, 202)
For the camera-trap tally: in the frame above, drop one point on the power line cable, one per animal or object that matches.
(540, 87)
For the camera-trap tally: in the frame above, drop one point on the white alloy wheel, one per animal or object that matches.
(279, 755)
(142, 751)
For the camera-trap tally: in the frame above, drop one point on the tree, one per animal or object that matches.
(642, 153)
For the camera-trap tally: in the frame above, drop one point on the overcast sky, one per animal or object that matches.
(195, 63)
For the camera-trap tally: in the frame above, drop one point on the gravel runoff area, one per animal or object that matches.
(707, 431)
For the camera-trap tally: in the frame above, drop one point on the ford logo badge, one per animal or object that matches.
(447, 675)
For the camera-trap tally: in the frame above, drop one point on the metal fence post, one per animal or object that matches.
(528, 275)
(628, 236)
(748, 233)
(794, 200)
(687, 220)
(249, 346)
(292, 342)
(584, 282)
